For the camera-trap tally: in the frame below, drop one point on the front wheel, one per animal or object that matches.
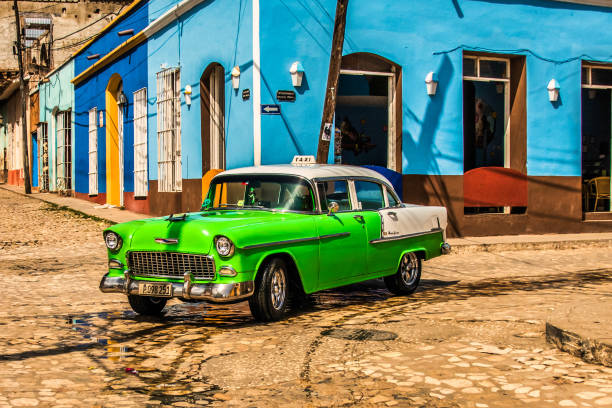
(406, 279)
(270, 300)
(147, 306)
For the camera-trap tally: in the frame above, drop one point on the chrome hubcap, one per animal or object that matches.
(409, 268)
(278, 288)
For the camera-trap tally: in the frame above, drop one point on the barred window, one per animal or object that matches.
(93, 152)
(64, 150)
(168, 130)
(140, 143)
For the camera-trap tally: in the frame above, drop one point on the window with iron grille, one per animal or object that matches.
(93, 152)
(64, 150)
(43, 146)
(168, 130)
(140, 143)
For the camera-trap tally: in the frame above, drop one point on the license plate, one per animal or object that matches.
(155, 289)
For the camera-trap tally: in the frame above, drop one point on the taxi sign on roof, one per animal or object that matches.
(304, 161)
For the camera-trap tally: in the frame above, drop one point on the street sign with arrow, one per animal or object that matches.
(270, 109)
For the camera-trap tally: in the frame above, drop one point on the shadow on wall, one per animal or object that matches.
(424, 150)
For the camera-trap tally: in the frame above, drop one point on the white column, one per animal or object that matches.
(256, 88)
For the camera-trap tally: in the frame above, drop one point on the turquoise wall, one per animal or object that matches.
(430, 36)
(215, 31)
(57, 95)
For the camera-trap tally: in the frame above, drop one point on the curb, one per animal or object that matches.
(62, 207)
(589, 350)
(521, 246)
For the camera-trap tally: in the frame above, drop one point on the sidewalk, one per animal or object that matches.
(459, 245)
(113, 215)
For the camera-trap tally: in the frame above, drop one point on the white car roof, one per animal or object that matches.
(310, 172)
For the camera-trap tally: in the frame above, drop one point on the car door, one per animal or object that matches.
(370, 197)
(343, 239)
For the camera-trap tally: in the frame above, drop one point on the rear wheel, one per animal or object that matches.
(408, 275)
(147, 306)
(270, 300)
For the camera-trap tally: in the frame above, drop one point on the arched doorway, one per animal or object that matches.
(114, 142)
(368, 112)
(212, 111)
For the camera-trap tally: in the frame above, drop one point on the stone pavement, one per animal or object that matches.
(473, 335)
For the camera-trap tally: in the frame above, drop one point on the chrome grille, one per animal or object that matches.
(171, 264)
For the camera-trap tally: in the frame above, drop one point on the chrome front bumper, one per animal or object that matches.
(212, 292)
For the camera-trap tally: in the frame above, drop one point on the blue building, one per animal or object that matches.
(499, 110)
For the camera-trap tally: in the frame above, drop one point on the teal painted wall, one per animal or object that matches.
(57, 95)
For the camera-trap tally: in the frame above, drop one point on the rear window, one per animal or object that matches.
(369, 195)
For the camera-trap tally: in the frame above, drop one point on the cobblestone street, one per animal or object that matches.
(473, 335)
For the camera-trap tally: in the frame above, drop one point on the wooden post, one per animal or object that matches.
(335, 60)
(22, 89)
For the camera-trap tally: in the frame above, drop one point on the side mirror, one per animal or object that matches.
(332, 207)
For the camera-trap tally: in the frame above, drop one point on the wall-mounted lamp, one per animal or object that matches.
(236, 77)
(553, 90)
(431, 81)
(93, 56)
(101, 118)
(122, 101)
(187, 93)
(297, 73)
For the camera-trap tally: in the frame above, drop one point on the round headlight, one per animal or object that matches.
(112, 240)
(224, 246)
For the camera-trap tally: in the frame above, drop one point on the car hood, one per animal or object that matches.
(196, 232)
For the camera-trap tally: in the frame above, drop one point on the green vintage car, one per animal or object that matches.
(269, 234)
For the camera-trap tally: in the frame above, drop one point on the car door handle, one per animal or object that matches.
(358, 217)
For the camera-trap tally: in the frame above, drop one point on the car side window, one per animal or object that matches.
(369, 195)
(334, 190)
(392, 201)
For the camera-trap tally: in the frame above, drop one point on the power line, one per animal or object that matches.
(90, 24)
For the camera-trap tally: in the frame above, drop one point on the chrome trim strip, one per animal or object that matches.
(400, 237)
(115, 264)
(341, 234)
(289, 241)
(212, 292)
(166, 241)
(293, 241)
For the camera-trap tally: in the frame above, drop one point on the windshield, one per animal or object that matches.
(260, 191)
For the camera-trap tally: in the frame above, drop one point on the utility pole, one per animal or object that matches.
(335, 59)
(22, 89)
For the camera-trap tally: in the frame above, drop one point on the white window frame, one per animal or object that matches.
(63, 121)
(140, 143)
(589, 68)
(391, 114)
(506, 82)
(169, 130)
(93, 151)
(43, 148)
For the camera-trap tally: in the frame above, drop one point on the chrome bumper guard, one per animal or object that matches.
(212, 292)
(445, 248)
